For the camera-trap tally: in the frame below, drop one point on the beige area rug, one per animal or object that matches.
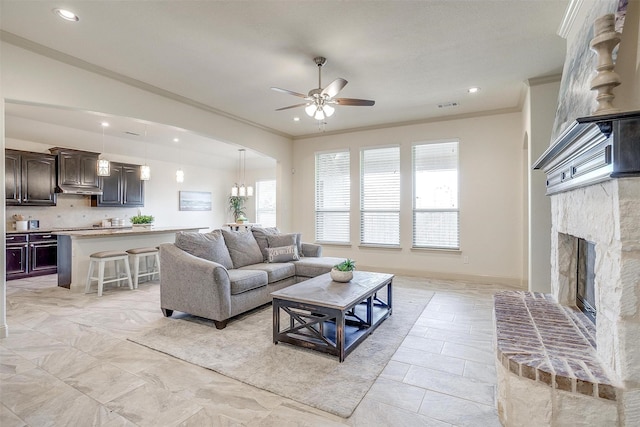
(244, 350)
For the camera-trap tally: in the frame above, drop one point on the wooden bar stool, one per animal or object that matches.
(101, 258)
(151, 258)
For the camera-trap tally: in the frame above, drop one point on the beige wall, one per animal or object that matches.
(491, 193)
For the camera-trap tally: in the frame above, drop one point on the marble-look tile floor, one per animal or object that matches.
(67, 362)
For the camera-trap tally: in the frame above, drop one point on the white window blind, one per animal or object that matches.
(435, 207)
(333, 193)
(266, 203)
(380, 196)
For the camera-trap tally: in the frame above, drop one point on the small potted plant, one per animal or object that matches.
(343, 272)
(143, 221)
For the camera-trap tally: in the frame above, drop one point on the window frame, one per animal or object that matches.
(275, 206)
(416, 210)
(341, 212)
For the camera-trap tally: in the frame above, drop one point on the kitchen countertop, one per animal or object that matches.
(57, 229)
(122, 231)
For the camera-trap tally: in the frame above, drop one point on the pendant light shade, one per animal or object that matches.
(145, 173)
(103, 166)
(241, 190)
(179, 175)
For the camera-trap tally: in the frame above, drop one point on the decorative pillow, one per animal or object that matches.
(243, 248)
(260, 235)
(283, 253)
(279, 240)
(209, 246)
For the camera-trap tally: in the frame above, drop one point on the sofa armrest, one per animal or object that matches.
(193, 285)
(311, 250)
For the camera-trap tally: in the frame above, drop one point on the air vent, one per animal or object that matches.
(448, 104)
(132, 133)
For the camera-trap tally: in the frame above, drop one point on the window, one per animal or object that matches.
(333, 197)
(380, 196)
(266, 203)
(435, 203)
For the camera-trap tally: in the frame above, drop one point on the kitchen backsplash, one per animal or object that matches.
(71, 211)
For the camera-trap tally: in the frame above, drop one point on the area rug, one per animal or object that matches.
(244, 350)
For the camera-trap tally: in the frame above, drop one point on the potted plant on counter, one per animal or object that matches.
(144, 221)
(343, 272)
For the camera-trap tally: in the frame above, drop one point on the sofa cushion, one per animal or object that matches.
(245, 280)
(260, 235)
(275, 271)
(315, 266)
(210, 246)
(283, 254)
(279, 240)
(243, 248)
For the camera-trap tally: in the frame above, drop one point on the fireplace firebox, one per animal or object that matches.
(585, 278)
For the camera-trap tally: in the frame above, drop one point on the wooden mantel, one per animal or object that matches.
(591, 150)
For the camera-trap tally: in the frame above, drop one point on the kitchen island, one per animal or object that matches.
(75, 247)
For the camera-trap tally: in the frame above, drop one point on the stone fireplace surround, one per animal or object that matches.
(593, 178)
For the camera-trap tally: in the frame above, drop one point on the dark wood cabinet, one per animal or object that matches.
(123, 188)
(31, 254)
(77, 169)
(17, 256)
(43, 254)
(30, 178)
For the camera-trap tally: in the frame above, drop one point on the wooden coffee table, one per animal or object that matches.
(332, 317)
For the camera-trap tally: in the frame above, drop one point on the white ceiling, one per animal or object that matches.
(409, 56)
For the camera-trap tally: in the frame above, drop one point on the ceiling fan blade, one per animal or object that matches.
(334, 87)
(353, 101)
(291, 106)
(277, 89)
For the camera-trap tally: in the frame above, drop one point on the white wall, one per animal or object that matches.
(543, 100)
(491, 193)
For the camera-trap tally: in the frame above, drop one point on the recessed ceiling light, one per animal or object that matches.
(104, 124)
(176, 140)
(473, 90)
(66, 15)
(296, 119)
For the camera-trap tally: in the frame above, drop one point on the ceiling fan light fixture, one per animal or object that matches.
(310, 110)
(319, 114)
(328, 110)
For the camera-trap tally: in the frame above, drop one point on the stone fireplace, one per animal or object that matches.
(555, 365)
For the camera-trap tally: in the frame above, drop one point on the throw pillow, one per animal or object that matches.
(260, 235)
(243, 248)
(209, 246)
(279, 240)
(283, 253)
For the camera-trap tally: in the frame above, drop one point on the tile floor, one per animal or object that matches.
(67, 362)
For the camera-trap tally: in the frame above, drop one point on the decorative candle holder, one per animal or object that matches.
(605, 40)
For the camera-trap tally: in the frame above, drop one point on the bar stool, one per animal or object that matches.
(101, 258)
(147, 254)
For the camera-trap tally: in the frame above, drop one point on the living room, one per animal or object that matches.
(503, 211)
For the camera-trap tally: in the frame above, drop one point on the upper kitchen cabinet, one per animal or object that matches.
(77, 171)
(30, 178)
(123, 188)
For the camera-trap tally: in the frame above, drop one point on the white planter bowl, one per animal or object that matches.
(341, 276)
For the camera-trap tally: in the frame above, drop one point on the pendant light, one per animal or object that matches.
(145, 170)
(242, 190)
(103, 165)
(179, 172)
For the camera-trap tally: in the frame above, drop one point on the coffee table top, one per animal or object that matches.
(324, 292)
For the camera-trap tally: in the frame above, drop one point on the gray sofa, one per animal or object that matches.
(221, 274)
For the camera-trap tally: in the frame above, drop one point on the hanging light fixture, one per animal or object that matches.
(179, 172)
(103, 165)
(145, 170)
(241, 190)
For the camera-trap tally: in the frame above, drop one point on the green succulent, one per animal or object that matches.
(141, 219)
(346, 265)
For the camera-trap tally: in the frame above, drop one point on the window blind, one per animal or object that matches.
(332, 197)
(266, 203)
(435, 207)
(380, 196)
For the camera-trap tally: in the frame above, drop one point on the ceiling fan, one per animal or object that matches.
(319, 102)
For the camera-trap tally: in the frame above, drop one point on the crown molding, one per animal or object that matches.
(535, 81)
(569, 18)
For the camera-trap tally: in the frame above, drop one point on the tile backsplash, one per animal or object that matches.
(72, 210)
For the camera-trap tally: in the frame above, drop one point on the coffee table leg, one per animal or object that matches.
(340, 319)
(276, 320)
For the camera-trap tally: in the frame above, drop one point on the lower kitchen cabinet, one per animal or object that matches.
(17, 255)
(31, 254)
